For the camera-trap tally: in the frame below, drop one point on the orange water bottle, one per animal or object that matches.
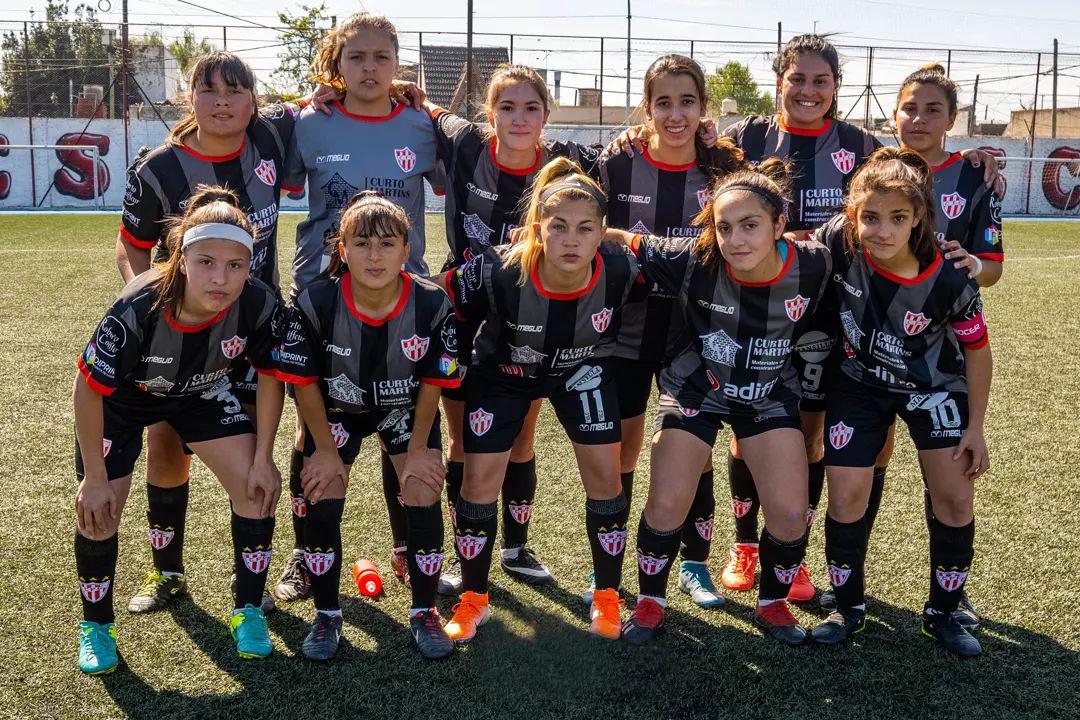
(367, 578)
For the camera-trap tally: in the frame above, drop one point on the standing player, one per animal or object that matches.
(916, 346)
(163, 353)
(225, 140)
(366, 142)
(372, 346)
(545, 307)
(660, 191)
(747, 294)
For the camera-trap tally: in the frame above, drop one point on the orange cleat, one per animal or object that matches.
(802, 588)
(741, 568)
(606, 621)
(469, 614)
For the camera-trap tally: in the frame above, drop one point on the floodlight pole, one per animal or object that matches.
(627, 55)
(468, 60)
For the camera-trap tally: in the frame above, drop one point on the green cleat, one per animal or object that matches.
(157, 591)
(97, 648)
(695, 581)
(248, 626)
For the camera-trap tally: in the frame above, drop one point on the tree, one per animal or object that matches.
(735, 81)
(186, 50)
(299, 42)
(64, 51)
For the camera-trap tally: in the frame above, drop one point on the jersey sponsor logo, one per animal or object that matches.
(926, 401)
(704, 528)
(851, 329)
(470, 545)
(476, 229)
(588, 377)
(429, 563)
(521, 512)
(447, 365)
(267, 172)
(343, 389)
(725, 309)
(471, 275)
(158, 385)
(405, 158)
(299, 506)
(514, 370)
(338, 350)
(133, 190)
(486, 194)
(887, 377)
(785, 575)
(719, 347)
(339, 433)
(94, 590)
(838, 575)
(640, 228)
(526, 355)
(992, 235)
(796, 307)
(613, 541)
(915, 323)
(480, 421)
(814, 346)
(651, 565)
(161, 537)
(257, 560)
(741, 507)
(449, 335)
(525, 328)
(635, 199)
(106, 446)
(840, 435)
(111, 336)
(749, 393)
(847, 286)
(571, 357)
(415, 347)
(950, 580)
(397, 419)
(703, 197)
(157, 360)
(767, 354)
(318, 562)
(601, 320)
(714, 384)
(844, 160)
(233, 346)
(953, 204)
(337, 157)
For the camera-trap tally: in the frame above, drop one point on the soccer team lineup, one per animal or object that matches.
(779, 299)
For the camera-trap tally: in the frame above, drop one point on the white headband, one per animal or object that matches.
(217, 231)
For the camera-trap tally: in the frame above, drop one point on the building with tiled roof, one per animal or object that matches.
(442, 73)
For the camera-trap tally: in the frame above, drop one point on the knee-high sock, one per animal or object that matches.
(95, 563)
(322, 551)
(779, 564)
(166, 512)
(296, 495)
(697, 530)
(518, 495)
(817, 485)
(425, 552)
(605, 521)
(877, 487)
(656, 551)
(951, 552)
(474, 538)
(744, 500)
(252, 539)
(455, 475)
(845, 553)
(627, 485)
(395, 506)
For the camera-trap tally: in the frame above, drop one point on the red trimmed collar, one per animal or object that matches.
(951, 160)
(215, 158)
(403, 299)
(779, 275)
(598, 266)
(181, 327)
(664, 166)
(804, 131)
(493, 147)
(394, 112)
(924, 275)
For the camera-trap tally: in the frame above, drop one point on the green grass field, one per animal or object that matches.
(536, 659)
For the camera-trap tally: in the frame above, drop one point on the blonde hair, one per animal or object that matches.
(326, 69)
(368, 214)
(506, 75)
(526, 253)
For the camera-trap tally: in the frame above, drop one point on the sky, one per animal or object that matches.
(721, 30)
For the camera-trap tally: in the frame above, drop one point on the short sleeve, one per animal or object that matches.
(984, 237)
(967, 319)
(111, 353)
(440, 367)
(295, 172)
(143, 212)
(831, 235)
(452, 134)
(466, 287)
(269, 327)
(296, 357)
(663, 261)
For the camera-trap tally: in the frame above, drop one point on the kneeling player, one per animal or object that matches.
(162, 354)
(369, 350)
(916, 346)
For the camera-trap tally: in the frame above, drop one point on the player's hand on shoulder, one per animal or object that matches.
(708, 132)
(963, 260)
(632, 139)
(324, 96)
(404, 91)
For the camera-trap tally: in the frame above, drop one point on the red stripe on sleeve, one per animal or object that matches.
(442, 382)
(136, 242)
(96, 386)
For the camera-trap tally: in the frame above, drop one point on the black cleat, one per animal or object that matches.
(295, 583)
(431, 639)
(839, 627)
(953, 636)
(321, 643)
(524, 567)
(157, 591)
(450, 578)
(827, 599)
(966, 614)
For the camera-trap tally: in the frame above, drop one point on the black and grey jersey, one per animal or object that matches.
(824, 161)
(138, 349)
(741, 335)
(527, 331)
(363, 363)
(967, 211)
(484, 197)
(648, 197)
(160, 182)
(903, 334)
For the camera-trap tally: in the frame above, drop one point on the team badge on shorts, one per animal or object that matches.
(714, 384)
(613, 541)
(299, 506)
(415, 347)
(704, 528)
(233, 346)
(703, 197)
(811, 515)
(429, 563)
(953, 204)
(406, 158)
(470, 545)
(838, 575)
(796, 307)
(950, 580)
(106, 446)
(256, 560)
(649, 564)
(453, 513)
(267, 172)
(741, 507)
(480, 421)
(601, 320)
(840, 435)
(520, 512)
(340, 434)
(161, 537)
(318, 562)
(94, 590)
(786, 575)
(688, 412)
(915, 323)
(844, 160)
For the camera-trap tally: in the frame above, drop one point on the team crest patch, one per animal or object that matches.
(415, 347)
(844, 160)
(950, 580)
(94, 590)
(704, 528)
(703, 197)
(786, 575)
(741, 507)
(470, 545)
(688, 412)
(299, 506)
(319, 562)
(339, 433)
(233, 346)
(796, 307)
(953, 204)
(520, 512)
(838, 575)
(915, 323)
(267, 172)
(840, 435)
(406, 158)
(160, 538)
(257, 561)
(601, 320)
(429, 563)
(106, 446)
(613, 541)
(480, 421)
(651, 565)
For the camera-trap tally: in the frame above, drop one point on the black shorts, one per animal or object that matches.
(394, 428)
(816, 359)
(245, 381)
(585, 401)
(212, 415)
(634, 380)
(859, 416)
(706, 425)
(466, 333)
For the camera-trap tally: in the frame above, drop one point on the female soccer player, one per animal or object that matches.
(224, 140)
(545, 307)
(747, 294)
(163, 353)
(372, 346)
(660, 191)
(916, 346)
